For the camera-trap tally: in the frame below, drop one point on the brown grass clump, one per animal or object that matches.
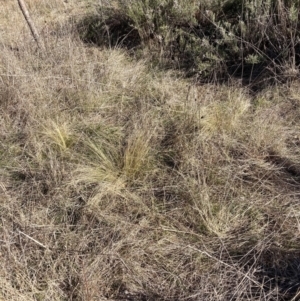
(119, 181)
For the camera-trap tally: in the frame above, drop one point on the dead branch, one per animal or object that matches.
(30, 24)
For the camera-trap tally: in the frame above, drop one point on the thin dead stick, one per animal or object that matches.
(296, 296)
(30, 24)
(29, 237)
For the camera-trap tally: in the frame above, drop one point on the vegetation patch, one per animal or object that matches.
(257, 42)
(123, 176)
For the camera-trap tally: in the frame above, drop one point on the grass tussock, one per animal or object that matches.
(120, 180)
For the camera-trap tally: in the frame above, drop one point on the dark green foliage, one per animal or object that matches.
(247, 39)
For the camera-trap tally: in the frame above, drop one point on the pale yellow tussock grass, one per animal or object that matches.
(114, 170)
(59, 134)
(225, 115)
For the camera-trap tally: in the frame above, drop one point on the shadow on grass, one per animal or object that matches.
(115, 31)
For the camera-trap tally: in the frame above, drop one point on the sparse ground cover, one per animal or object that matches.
(123, 179)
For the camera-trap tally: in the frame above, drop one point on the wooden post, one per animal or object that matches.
(31, 25)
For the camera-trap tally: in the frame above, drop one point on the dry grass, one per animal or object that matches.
(120, 182)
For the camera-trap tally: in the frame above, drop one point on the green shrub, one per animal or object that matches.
(211, 39)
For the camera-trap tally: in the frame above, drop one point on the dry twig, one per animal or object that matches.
(31, 25)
